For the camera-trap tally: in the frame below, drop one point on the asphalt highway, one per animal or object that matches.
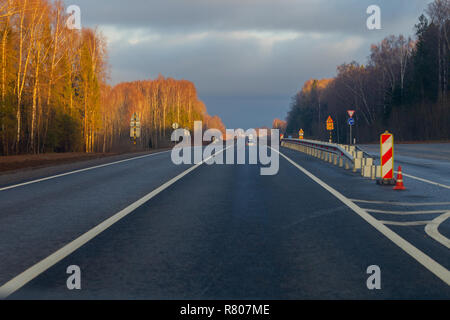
(222, 232)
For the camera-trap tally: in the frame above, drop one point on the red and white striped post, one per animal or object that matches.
(387, 158)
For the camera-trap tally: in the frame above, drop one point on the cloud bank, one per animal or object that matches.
(246, 57)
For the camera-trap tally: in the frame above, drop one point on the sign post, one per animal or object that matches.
(351, 123)
(135, 127)
(330, 127)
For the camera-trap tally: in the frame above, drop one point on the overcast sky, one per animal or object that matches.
(247, 58)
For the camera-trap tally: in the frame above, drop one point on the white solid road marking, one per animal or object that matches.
(405, 204)
(22, 279)
(406, 224)
(425, 180)
(430, 264)
(81, 170)
(405, 213)
(432, 230)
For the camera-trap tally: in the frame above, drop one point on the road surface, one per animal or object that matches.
(224, 232)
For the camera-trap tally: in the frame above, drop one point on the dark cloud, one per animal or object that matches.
(246, 57)
(193, 15)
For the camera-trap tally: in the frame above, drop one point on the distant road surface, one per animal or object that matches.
(433, 151)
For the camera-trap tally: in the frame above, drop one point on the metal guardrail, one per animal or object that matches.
(342, 155)
(366, 154)
(323, 146)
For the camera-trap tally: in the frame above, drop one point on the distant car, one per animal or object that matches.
(251, 141)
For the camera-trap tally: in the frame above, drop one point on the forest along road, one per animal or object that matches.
(221, 232)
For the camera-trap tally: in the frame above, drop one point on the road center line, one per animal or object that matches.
(22, 279)
(430, 264)
(80, 170)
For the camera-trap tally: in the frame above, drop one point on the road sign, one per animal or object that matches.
(135, 126)
(351, 122)
(301, 133)
(175, 126)
(387, 156)
(330, 127)
(351, 113)
(330, 124)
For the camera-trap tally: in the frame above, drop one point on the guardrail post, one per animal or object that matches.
(373, 172)
(357, 164)
(378, 171)
(366, 171)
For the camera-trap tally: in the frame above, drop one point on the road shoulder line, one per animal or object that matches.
(426, 181)
(80, 170)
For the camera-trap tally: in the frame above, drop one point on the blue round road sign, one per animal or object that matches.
(351, 121)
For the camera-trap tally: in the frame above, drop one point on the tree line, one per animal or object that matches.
(159, 104)
(54, 94)
(403, 88)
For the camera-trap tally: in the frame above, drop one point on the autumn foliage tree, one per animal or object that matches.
(159, 103)
(403, 88)
(54, 91)
(50, 79)
(280, 125)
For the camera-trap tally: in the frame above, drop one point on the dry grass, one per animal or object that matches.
(33, 161)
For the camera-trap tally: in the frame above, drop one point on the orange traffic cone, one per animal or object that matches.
(399, 185)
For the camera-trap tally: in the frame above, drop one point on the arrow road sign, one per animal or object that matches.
(351, 122)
